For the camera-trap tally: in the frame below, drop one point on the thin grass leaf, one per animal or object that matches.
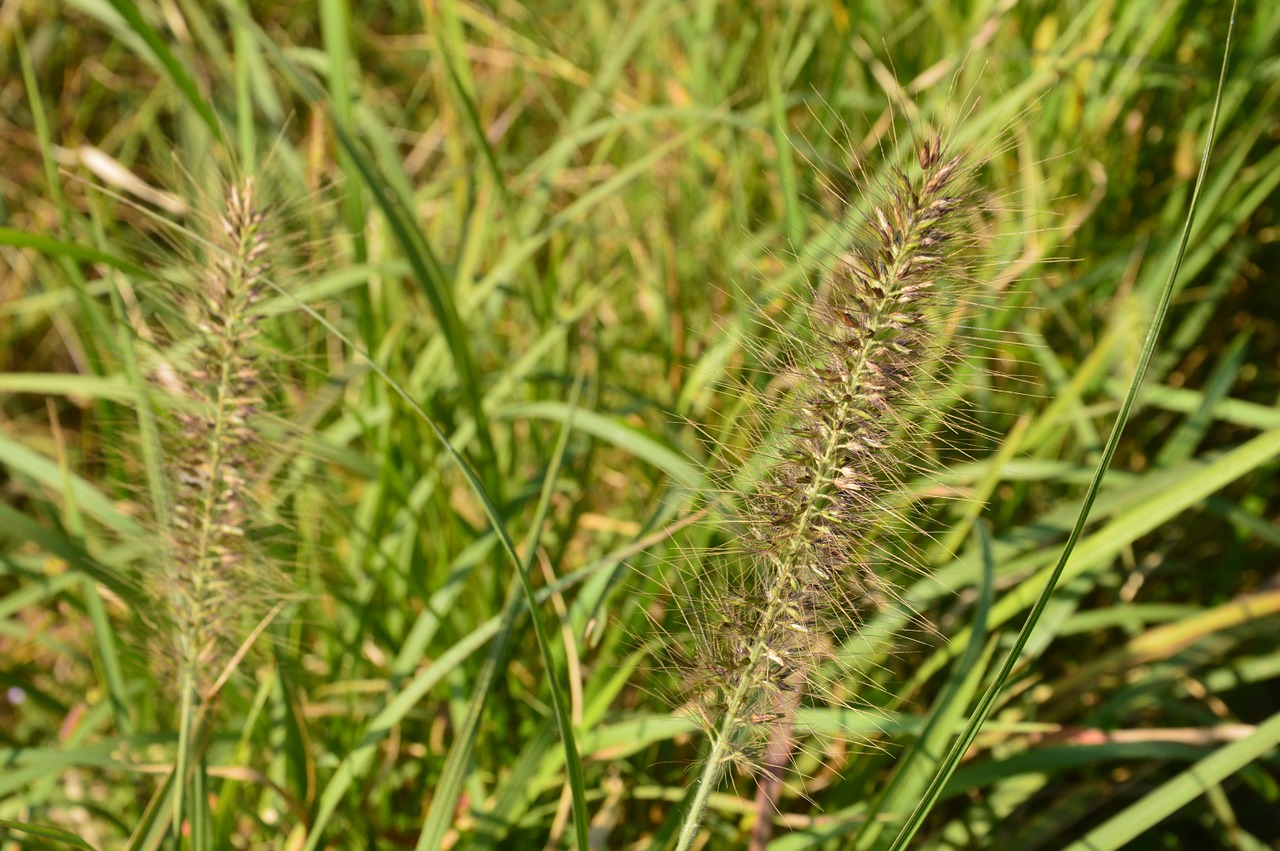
(15, 526)
(1195, 482)
(70, 250)
(428, 273)
(356, 763)
(1170, 797)
(176, 71)
(444, 801)
(1181, 400)
(608, 429)
(987, 703)
(915, 767)
(44, 831)
(449, 39)
(19, 459)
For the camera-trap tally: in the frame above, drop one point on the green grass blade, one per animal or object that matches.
(450, 40)
(1168, 798)
(335, 27)
(20, 459)
(160, 51)
(444, 801)
(63, 384)
(15, 526)
(427, 270)
(1184, 442)
(988, 700)
(792, 221)
(355, 764)
(1196, 482)
(917, 765)
(57, 248)
(610, 430)
(508, 546)
(44, 831)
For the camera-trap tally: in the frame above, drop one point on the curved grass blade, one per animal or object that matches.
(427, 270)
(610, 430)
(1165, 800)
(912, 770)
(572, 761)
(44, 831)
(445, 800)
(16, 526)
(988, 700)
(161, 52)
(357, 763)
(335, 29)
(70, 250)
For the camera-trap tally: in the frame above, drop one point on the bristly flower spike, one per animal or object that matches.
(812, 524)
(207, 573)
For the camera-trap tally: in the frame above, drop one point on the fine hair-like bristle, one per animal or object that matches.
(208, 584)
(213, 443)
(812, 523)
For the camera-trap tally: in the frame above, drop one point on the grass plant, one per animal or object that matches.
(207, 580)
(490, 397)
(813, 529)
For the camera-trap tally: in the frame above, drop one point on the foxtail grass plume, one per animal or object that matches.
(209, 583)
(214, 446)
(813, 560)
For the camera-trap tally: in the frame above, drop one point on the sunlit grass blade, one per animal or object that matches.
(1170, 797)
(18, 527)
(444, 801)
(356, 763)
(165, 58)
(1195, 482)
(335, 20)
(631, 440)
(988, 700)
(916, 766)
(72, 251)
(427, 270)
(44, 831)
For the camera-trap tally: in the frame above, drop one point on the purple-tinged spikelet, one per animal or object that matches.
(812, 524)
(212, 451)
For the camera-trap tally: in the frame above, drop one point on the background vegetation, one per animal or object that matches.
(553, 230)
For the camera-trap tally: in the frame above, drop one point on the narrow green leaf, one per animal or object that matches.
(57, 248)
(627, 438)
(185, 83)
(1168, 798)
(445, 800)
(44, 831)
(356, 763)
(427, 270)
(988, 700)
(914, 769)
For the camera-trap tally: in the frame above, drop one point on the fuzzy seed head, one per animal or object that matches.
(812, 523)
(212, 449)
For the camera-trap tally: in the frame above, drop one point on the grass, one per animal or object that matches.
(531, 251)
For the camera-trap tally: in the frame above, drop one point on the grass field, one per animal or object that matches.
(386, 390)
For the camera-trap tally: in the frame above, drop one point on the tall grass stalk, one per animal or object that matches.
(812, 525)
(208, 573)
